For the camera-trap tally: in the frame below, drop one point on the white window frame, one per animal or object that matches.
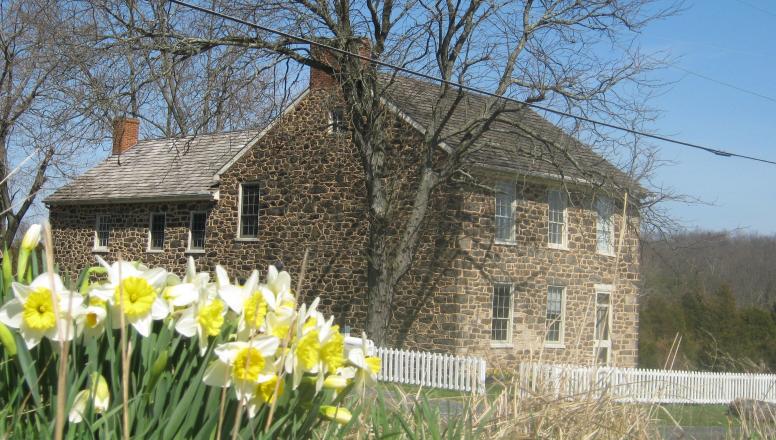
(508, 190)
(604, 204)
(607, 289)
(150, 234)
(560, 343)
(99, 218)
(189, 249)
(564, 235)
(239, 235)
(510, 319)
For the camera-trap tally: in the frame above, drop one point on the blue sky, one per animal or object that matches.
(731, 41)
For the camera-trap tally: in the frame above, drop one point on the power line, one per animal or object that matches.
(711, 150)
(726, 84)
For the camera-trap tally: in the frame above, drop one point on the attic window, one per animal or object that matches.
(337, 123)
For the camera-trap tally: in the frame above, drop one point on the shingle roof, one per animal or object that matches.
(519, 140)
(173, 168)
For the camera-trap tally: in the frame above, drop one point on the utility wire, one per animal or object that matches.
(726, 84)
(711, 150)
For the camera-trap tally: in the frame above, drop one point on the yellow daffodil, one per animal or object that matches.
(98, 394)
(134, 290)
(243, 365)
(32, 310)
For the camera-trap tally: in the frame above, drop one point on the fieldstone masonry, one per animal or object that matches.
(313, 197)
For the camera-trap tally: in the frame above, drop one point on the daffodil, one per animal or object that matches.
(31, 238)
(182, 293)
(33, 312)
(133, 290)
(243, 365)
(91, 321)
(99, 395)
(366, 367)
(203, 319)
(317, 348)
(264, 394)
(234, 295)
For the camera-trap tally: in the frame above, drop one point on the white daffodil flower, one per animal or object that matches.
(233, 295)
(32, 310)
(139, 287)
(314, 348)
(182, 293)
(91, 322)
(279, 283)
(98, 393)
(366, 367)
(243, 365)
(204, 318)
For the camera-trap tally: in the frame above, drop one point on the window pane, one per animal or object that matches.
(197, 229)
(557, 217)
(554, 313)
(338, 124)
(502, 312)
(249, 211)
(602, 317)
(604, 226)
(157, 231)
(103, 231)
(505, 197)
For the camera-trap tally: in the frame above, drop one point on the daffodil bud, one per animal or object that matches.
(158, 367)
(99, 395)
(7, 340)
(31, 238)
(29, 242)
(7, 270)
(336, 414)
(335, 382)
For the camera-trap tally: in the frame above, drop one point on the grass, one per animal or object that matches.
(695, 415)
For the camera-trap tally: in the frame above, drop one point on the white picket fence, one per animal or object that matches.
(646, 386)
(432, 370)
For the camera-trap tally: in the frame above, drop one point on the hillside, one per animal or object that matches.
(717, 290)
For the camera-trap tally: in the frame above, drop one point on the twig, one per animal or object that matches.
(59, 426)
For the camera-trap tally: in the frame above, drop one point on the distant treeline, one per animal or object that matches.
(718, 292)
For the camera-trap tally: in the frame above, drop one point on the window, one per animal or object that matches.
(501, 322)
(197, 224)
(102, 232)
(156, 232)
(555, 306)
(604, 230)
(249, 210)
(337, 123)
(557, 219)
(505, 220)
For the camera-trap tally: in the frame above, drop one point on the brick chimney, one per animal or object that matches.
(320, 79)
(124, 134)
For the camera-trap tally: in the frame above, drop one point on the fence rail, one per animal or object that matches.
(433, 370)
(646, 386)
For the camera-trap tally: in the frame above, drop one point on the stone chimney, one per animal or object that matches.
(320, 79)
(124, 134)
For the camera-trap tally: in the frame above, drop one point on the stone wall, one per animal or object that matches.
(530, 265)
(313, 198)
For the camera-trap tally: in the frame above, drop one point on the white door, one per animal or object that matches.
(602, 339)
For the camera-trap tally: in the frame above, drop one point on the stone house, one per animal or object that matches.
(540, 268)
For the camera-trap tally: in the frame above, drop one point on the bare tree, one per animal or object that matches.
(37, 114)
(578, 56)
